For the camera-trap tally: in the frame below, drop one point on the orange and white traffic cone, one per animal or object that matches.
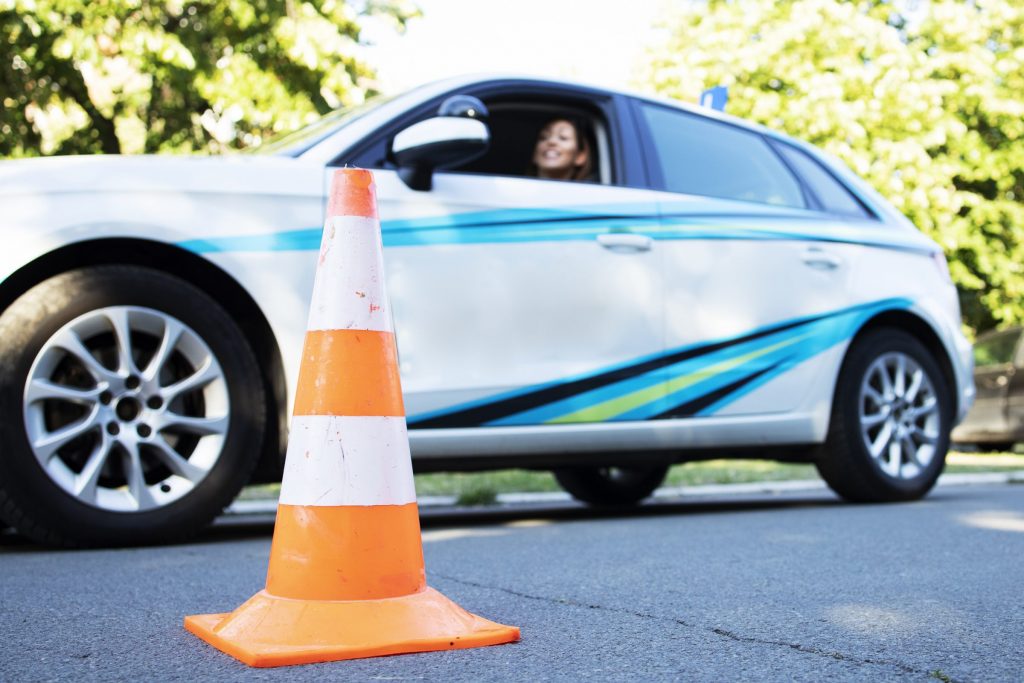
(346, 576)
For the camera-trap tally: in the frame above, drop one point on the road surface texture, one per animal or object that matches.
(792, 587)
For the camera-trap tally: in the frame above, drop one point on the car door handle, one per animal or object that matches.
(820, 259)
(625, 242)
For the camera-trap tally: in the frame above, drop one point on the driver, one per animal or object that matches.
(562, 151)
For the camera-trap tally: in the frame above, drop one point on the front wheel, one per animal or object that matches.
(611, 485)
(891, 419)
(133, 406)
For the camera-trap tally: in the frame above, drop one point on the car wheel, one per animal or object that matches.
(891, 419)
(611, 485)
(133, 407)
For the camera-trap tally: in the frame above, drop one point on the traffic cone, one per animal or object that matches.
(346, 576)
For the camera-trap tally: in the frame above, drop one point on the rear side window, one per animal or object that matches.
(699, 156)
(997, 349)
(834, 197)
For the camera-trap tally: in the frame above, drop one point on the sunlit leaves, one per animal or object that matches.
(81, 76)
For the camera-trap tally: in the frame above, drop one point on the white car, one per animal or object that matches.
(712, 288)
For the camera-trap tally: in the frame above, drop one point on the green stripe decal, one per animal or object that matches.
(616, 407)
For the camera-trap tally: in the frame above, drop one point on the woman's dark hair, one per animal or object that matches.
(582, 129)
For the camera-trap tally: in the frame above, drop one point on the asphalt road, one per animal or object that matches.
(792, 588)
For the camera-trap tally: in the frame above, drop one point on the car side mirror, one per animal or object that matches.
(440, 142)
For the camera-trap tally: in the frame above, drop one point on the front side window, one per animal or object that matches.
(545, 141)
(997, 349)
(704, 157)
(517, 127)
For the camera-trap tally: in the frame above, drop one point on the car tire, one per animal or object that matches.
(134, 410)
(890, 422)
(611, 485)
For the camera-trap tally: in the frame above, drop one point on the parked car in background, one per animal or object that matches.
(996, 422)
(713, 288)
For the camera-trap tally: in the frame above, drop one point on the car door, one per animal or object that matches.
(1015, 394)
(756, 295)
(994, 372)
(517, 300)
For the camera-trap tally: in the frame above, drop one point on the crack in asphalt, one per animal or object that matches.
(723, 633)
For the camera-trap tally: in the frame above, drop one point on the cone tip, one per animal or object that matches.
(353, 193)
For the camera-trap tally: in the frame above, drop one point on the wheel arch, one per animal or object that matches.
(921, 330)
(215, 282)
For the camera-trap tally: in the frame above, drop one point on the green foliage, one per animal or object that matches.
(88, 76)
(478, 496)
(927, 105)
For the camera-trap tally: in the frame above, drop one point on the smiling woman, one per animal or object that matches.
(562, 151)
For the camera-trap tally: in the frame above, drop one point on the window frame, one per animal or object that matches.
(626, 164)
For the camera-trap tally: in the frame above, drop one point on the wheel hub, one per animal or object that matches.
(128, 408)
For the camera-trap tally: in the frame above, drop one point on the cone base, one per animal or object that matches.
(271, 631)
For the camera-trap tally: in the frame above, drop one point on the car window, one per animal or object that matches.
(514, 130)
(700, 156)
(514, 124)
(997, 349)
(833, 196)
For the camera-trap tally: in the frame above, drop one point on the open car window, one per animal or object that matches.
(514, 129)
(514, 124)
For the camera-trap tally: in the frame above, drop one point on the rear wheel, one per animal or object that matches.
(891, 419)
(611, 485)
(136, 408)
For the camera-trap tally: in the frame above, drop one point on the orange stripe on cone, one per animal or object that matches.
(346, 552)
(347, 581)
(349, 372)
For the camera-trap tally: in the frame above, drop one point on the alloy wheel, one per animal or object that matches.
(899, 415)
(126, 408)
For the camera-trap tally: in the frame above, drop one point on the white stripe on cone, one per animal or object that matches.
(348, 293)
(338, 460)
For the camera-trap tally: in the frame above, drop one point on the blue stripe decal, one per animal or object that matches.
(293, 240)
(549, 225)
(616, 368)
(758, 360)
(830, 332)
(659, 378)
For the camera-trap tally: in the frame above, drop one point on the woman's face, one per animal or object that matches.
(557, 153)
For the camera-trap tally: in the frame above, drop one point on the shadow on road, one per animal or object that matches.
(237, 527)
(241, 526)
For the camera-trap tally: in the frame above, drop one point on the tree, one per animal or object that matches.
(123, 76)
(927, 105)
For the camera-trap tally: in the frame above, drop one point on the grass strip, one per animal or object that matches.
(476, 488)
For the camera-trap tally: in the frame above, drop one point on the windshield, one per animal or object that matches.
(295, 143)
